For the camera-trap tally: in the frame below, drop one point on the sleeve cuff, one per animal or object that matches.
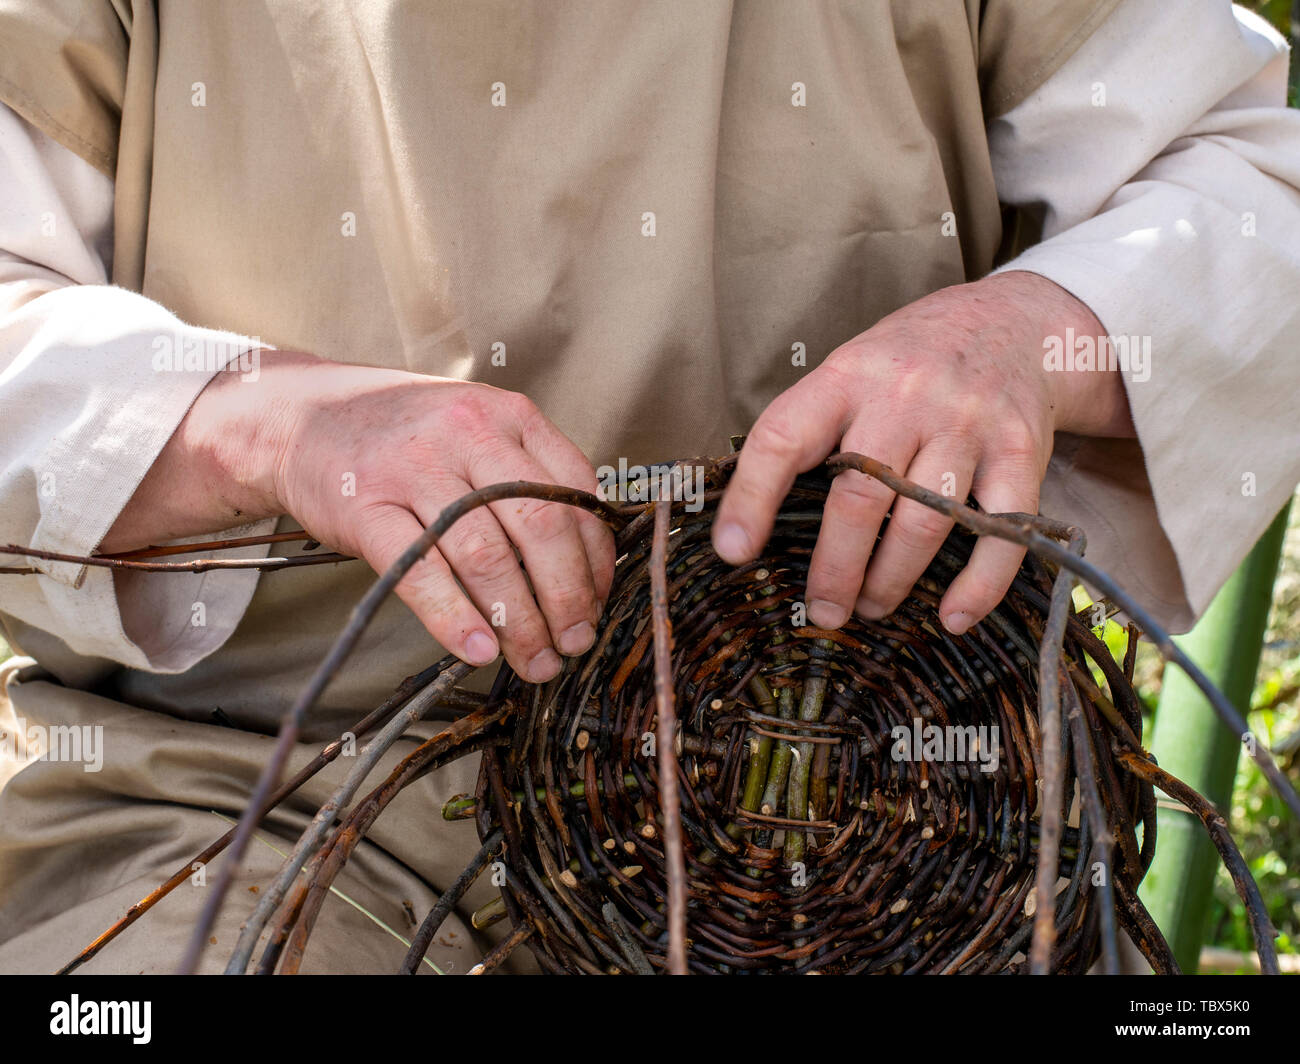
(1172, 513)
(98, 380)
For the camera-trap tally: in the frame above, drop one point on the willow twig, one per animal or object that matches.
(1049, 723)
(666, 747)
(200, 565)
(1261, 927)
(447, 901)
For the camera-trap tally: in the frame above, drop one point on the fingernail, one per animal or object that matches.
(600, 608)
(544, 666)
(958, 623)
(825, 614)
(732, 543)
(480, 648)
(872, 611)
(577, 639)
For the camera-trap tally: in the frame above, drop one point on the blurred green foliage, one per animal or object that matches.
(1269, 837)
(1285, 17)
(1277, 12)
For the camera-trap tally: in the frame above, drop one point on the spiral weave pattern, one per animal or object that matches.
(859, 800)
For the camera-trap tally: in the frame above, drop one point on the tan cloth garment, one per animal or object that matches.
(79, 848)
(337, 178)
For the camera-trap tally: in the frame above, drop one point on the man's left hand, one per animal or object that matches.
(950, 391)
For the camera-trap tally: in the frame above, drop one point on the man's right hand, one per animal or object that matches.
(363, 459)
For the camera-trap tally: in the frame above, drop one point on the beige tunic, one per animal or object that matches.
(626, 197)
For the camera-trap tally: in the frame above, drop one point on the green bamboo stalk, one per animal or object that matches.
(1191, 743)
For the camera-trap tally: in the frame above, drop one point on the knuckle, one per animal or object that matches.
(982, 587)
(920, 530)
(842, 369)
(774, 435)
(1018, 445)
(913, 389)
(544, 521)
(439, 604)
(488, 456)
(526, 415)
(981, 595)
(835, 583)
(750, 492)
(480, 557)
(584, 479)
(568, 602)
(836, 572)
(519, 404)
(858, 494)
(888, 589)
(434, 597)
(466, 412)
(964, 417)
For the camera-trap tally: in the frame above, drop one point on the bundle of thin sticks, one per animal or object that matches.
(717, 786)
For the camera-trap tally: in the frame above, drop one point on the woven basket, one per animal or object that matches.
(859, 800)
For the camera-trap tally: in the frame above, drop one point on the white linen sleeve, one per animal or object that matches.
(93, 382)
(1166, 170)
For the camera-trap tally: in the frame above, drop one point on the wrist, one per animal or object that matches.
(220, 467)
(1067, 345)
(241, 432)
